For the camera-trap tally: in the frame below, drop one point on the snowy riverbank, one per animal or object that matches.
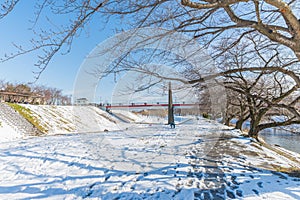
(71, 119)
(199, 160)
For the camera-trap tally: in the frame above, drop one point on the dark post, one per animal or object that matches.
(170, 107)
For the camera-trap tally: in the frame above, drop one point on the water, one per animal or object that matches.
(290, 141)
(285, 139)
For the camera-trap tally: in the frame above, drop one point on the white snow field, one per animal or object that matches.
(63, 120)
(76, 119)
(198, 160)
(135, 118)
(68, 119)
(8, 133)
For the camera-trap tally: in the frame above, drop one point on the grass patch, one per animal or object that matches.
(291, 171)
(28, 115)
(64, 121)
(69, 129)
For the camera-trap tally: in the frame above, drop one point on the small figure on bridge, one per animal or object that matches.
(107, 109)
(172, 124)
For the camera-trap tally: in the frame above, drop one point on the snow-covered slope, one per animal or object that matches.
(148, 119)
(132, 117)
(62, 120)
(68, 119)
(7, 133)
(75, 119)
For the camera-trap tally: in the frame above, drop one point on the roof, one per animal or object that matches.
(21, 94)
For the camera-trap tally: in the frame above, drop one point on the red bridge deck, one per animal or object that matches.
(148, 105)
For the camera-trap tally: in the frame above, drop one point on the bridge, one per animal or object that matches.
(146, 105)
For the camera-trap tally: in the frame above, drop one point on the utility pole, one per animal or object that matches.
(170, 107)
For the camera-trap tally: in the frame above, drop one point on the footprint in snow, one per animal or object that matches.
(230, 194)
(255, 191)
(234, 187)
(260, 184)
(233, 179)
(239, 193)
(106, 178)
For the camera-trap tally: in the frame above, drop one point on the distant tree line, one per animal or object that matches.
(50, 95)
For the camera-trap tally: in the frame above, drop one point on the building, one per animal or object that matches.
(81, 102)
(18, 97)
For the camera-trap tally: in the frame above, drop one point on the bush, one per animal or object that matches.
(205, 115)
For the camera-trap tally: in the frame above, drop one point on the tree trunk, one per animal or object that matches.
(253, 133)
(226, 118)
(239, 124)
(254, 130)
(298, 55)
(227, 121)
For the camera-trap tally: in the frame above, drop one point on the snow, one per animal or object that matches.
(136, 118)
(200, 159)
(148, 119)
(7, 133)
(62, 120)
(69, 119)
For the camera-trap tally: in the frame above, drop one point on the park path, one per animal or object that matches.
(227, 172)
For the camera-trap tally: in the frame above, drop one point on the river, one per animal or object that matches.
(290, 141)
(285, 139)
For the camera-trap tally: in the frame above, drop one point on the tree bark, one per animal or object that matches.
(253, 132)
(239, 124)
(298, 55)
(227, 120)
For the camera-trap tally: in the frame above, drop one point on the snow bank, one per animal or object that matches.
(69, 119)
(76, 119)
(7, 133)
(139, 118)
(148, 119)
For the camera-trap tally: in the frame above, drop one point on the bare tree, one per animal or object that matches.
(207, 20)
(236, 109)
(51, 95)
(2, 84)
(268, 106)
(267, 85)
(213, 23)
(22, 88)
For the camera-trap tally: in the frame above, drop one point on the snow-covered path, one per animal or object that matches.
(193, 161)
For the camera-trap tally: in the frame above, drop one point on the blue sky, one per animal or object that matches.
(61, 72)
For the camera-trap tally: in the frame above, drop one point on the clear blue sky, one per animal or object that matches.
(62, 71)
